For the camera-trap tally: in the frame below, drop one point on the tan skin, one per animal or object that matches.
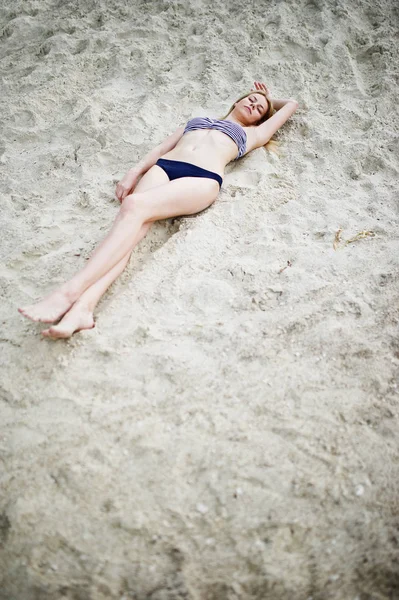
(151, 198)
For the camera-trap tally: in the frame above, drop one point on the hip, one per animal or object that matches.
(210, 160)
(177, 168)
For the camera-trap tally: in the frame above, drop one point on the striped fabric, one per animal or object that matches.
(233, 130)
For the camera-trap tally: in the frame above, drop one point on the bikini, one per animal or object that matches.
(176, 168)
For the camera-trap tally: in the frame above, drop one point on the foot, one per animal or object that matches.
(78, 318)
(52, 308)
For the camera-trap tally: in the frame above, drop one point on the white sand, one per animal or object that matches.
(227, 431)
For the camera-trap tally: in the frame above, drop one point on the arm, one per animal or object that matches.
(151, 158)
(266, 130)
(262, 133)
(277, 104)
(129, 181)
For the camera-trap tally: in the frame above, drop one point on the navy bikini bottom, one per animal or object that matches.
(176, 169)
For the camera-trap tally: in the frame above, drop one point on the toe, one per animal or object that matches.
(52, 333)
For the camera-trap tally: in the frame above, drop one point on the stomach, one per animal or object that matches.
(211, 150)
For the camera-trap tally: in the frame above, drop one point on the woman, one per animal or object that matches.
(183, 176)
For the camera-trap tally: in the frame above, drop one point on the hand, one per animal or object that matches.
(126, 185)
(260, 86)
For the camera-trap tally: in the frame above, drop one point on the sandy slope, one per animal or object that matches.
(229, 430)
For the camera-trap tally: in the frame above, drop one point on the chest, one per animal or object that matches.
(224, 133)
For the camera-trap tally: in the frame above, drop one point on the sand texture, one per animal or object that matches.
(229, 429)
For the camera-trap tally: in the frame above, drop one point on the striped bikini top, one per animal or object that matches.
(233, 130)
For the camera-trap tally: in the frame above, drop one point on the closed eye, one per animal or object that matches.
(259, 107)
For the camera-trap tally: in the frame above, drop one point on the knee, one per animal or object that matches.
(132, 205)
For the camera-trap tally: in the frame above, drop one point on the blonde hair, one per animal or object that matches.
(271, 145)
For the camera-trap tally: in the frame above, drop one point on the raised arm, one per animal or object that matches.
(126, 185)
(262, 133)
(266, 130)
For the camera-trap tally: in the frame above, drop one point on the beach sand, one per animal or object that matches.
(229, 429)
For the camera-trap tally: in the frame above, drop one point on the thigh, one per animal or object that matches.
(183, 196)
(154, 177)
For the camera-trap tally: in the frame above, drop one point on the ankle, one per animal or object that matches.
(86, 305)
(71, 294)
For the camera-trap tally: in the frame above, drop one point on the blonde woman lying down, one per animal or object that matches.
(182, 176)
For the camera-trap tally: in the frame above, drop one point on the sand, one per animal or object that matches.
(229, 429)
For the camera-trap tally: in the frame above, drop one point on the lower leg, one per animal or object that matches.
(120, 241)
(91, 297)
(80, 316)
(59, 302)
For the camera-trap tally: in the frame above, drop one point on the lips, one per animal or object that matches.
(249, 109)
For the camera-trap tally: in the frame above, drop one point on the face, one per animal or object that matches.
(252, 108)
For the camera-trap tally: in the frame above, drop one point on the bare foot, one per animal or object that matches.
(48, 310)
(78, 318)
